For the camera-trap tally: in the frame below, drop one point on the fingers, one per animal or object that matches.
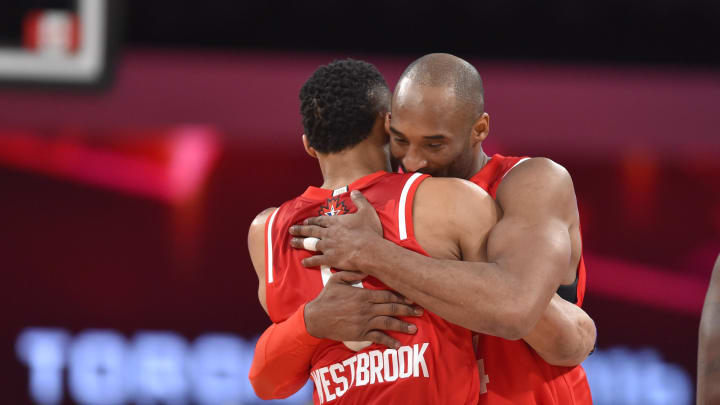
(348, 277)
(360, 201)
(381, 338)
(395, 309)
(386, 296)
(310, 244)
(394, 324)
(315, 261)
(323, 220)
(307, 231)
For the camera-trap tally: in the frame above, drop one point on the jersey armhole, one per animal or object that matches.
(581, 280)
(269, 266)
(494, 185)
(269, 273)
(521, 160)
(405, 212)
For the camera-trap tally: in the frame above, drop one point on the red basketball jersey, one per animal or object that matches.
(512, 372)
(434, 366)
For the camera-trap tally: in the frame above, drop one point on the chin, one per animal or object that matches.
(434, 173)
(395, 165)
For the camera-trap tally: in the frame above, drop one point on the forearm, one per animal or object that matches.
(281, 364)
(709, 343)
(479, 296)
(709, 355)
(564, 336)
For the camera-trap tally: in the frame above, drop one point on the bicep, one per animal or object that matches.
(256, 248)
(532, 241)
(536, 254)
(453, 218)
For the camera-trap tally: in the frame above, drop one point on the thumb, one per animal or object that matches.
(349, 277)
(360, 201)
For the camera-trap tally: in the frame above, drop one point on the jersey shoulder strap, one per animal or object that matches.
(405, 205)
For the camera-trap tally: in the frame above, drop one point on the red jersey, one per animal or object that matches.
(512, 372)
(434, 366)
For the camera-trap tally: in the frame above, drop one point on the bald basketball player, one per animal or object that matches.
(557, 334)
(437, 126)
(708, 374)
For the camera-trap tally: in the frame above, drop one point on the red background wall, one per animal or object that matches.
(97, 230)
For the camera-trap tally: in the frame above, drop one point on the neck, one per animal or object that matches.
(342, 168)
(481, 159)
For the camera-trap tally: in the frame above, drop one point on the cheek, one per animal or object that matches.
(442, 158)
(396, 151)
(462, 161)
(460, 151)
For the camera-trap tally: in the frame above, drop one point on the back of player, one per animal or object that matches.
(435, 365)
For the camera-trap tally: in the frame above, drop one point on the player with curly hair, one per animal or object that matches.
(422, 358)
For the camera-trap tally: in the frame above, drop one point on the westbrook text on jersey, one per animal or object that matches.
(370, 368)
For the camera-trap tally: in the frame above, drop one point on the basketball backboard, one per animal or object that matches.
(66, 43)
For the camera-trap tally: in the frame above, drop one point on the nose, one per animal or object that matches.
(414, 161)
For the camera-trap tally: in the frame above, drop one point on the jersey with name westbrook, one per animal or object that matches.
(434, 366)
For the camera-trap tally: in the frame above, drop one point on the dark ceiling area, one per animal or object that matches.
(675, 32)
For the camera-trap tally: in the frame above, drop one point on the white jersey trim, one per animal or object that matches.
(518, 162)
(401, 209)
(269, 248)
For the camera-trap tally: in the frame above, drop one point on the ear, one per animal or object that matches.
(480, 129)
(309, 149)
(388, 116)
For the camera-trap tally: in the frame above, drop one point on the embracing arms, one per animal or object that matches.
(565, 334)
(528, 255)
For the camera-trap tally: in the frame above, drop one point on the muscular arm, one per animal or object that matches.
(709, 345)
(565, 335)
(528, 253)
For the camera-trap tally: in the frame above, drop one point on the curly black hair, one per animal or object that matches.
(340, 102)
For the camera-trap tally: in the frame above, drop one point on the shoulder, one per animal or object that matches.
(263, 216)
(257, 226)
(453, 217)
(539, 170)
(453, 197)
(447, 189)
(454, 185)
(256, 241)
(537, 183)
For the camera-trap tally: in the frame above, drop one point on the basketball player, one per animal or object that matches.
(708, 388)
(437, 126)
(343, 106)
(285, 344)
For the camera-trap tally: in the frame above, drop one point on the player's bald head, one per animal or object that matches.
(455, 76)
(438, 118)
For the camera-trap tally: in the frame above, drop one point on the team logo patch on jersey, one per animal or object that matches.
(333, 206)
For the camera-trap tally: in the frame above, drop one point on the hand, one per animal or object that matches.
(345, 313)
(343, 238)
